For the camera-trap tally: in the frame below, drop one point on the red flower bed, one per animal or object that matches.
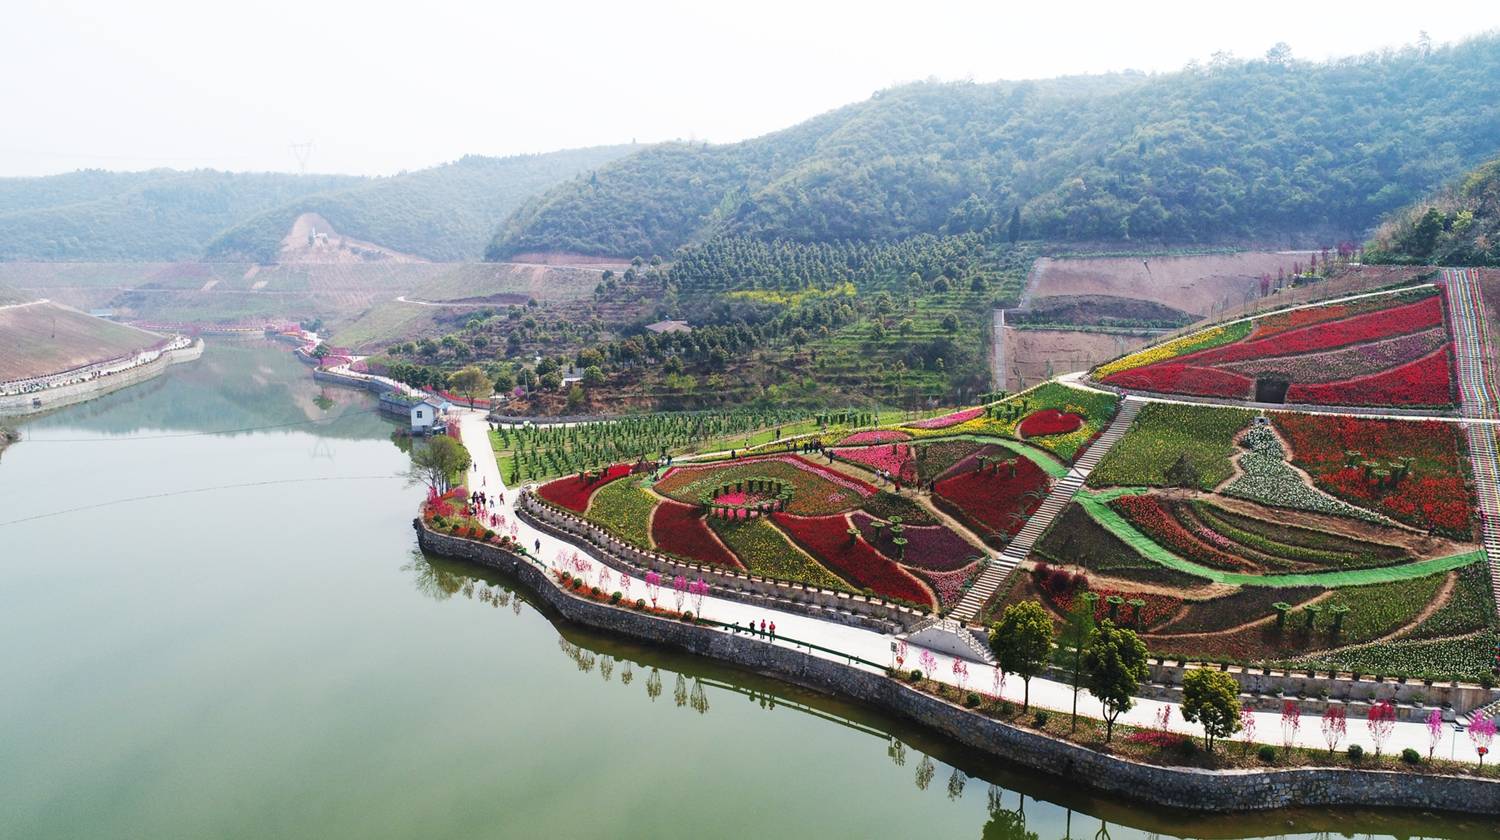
(1178, 378)
(1050, 421)
(574, 494)
(1158, 608)
(1434, 495)
(1384, 323)
(890, 457)
(827, 539)
(678, 529)
(1147, 514)
(1425, 381)
(989, 497)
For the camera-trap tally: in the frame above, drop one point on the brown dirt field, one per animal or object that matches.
(45, 338)
(1194, 284)
(1029, 352)
(334, 247)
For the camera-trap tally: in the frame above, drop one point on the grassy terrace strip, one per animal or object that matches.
(624, 507)
(1097, 505)
(766, 552)
(1162, 433)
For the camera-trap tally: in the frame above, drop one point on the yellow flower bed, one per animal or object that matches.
(1176, 347)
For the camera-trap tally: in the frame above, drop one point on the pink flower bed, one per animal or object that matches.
(1178, 378)
(875, 436)
(928, 547)
(948, 585)
(948, 419)
(891, 457)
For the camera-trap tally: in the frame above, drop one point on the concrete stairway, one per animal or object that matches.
(1057, 500)
(1473, 357)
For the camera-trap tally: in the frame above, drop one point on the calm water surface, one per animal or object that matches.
(207, 634)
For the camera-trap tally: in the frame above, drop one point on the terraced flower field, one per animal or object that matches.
(1390, 349)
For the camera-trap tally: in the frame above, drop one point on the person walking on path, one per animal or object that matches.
(773, 631)
(762, 626)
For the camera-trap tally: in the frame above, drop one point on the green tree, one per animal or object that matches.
(1013, 230)
(472, 382)
(438, 463)
(1182, 473)
(593, 377)
(1212, 699)
(1022, 641)
(1076, 634)
(1116, 665)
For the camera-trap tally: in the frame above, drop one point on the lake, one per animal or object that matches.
(214, 622)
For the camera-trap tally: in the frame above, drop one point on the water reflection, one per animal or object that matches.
(1020, 805)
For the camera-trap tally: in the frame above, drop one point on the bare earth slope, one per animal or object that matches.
(43, 337)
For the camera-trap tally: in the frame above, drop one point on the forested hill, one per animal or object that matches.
(156, 215)
(1232, 150)
(444, 213)
(1458, 225)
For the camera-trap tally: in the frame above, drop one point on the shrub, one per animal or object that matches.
(1266, 753)
(972, 700)
(640, 603)
(567, 577)
(1411, 756)
(614, 597)
(1040, 719)
(1007, 708)
(687, 616)
(914, 676)
(1356, 753)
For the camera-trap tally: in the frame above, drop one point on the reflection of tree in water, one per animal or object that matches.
(956, 783)
(1005, 824)
(436, 583)
(653, 684)
(699, 699)
(925, 771)
(626, 673)
(606, 666)
(680, 691)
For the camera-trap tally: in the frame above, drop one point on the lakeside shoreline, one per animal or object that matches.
(1190, 789)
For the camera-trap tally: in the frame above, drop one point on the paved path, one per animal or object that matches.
(876, 647)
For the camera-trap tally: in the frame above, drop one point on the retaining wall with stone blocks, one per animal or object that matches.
(1185, 788)
(77, 392)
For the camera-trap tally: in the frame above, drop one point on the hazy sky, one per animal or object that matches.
(378, 87)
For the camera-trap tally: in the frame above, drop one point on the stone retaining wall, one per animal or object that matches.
(14, 405)
(1189, 789)
(826, 604)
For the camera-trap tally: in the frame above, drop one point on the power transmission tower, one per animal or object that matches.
(303, 151)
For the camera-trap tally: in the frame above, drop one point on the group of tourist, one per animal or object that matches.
(766, 630)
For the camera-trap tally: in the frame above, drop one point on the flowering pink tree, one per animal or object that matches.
(1381, 720)
(1164, 719)
(625, 586)
(1247, 725)
(997, 678)
(929, 663)
(960, 673)
(1335, 725)
(1482, 732)
(1291, 723)
(679, 591)
(653, 586)
(605, 578)
(1434, 731)
(901, 650)
(698, 589)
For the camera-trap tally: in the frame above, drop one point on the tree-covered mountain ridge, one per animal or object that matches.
(1458, 225)
(1263, 149)
(446, 212)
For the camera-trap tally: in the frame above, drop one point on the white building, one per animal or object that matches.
(427, 414)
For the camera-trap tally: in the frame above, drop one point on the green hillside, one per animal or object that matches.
(158, 215)
(447, 212)
(1459, 225)
(1267, 148)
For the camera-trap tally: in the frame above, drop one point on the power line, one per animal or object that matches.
(173, 493)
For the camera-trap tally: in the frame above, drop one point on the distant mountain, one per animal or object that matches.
(447, 212)
(1264, 149)
(1458, 225)
(162, 214)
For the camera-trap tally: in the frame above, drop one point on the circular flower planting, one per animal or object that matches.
(1050, 421)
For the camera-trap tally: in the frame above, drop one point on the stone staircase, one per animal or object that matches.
(1057, 500)
(951, 637)
(1473, 357)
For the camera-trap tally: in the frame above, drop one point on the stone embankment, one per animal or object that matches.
(1184, 788)
(47, 399)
